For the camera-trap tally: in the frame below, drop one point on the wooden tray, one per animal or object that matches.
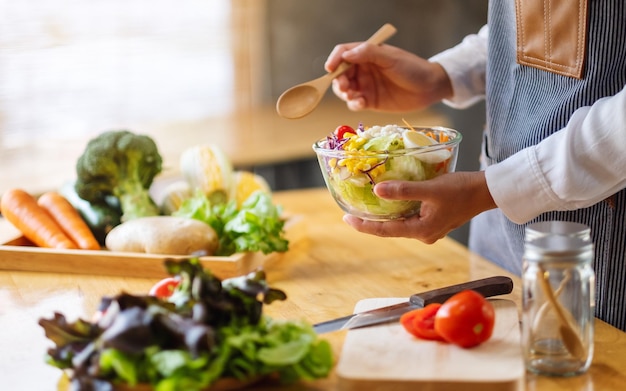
(17, 254)
(386, 357)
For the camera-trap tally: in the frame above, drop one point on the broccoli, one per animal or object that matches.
(122, 164)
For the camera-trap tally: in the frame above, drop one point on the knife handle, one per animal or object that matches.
(491, 286)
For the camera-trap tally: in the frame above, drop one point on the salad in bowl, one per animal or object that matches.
(354, 160)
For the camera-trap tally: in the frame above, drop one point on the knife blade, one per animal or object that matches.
(488, 287)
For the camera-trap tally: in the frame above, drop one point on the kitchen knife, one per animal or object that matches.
(488, 287)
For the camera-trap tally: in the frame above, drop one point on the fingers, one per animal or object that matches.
(402, 190)
(354, 99)
(342, 85)
(355, 86)
(393, 228)
(336, 55)
(358, 53)
(414, 228)
(357, 104)
(365, 52)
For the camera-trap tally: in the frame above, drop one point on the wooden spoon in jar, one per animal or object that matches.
(570, 337)
(302, 99)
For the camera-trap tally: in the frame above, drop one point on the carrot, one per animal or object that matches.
(70, 221)
(21, 210)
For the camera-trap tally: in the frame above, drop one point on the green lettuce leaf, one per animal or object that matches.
(207, 330)
(256, 226)
(390, 142)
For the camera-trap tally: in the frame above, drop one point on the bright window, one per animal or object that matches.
(73, 66)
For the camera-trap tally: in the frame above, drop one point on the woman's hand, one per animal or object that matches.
(448, 201)
(386, 78)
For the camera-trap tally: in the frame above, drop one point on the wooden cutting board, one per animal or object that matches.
(386, 357)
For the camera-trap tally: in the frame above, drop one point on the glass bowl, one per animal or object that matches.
(350, 175)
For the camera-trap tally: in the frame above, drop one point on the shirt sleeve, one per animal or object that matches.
(465, 64)
(576, 167)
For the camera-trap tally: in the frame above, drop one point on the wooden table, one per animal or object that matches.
(324, 275)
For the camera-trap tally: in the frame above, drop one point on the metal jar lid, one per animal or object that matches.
(564, 228)
(559, 248)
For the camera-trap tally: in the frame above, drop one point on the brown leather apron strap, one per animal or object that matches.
(552, 34)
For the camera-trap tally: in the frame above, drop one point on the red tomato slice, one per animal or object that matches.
(342, 130)
(465, 319)
(164, 288)
(421, 322)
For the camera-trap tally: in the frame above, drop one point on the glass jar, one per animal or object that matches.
(558, 293)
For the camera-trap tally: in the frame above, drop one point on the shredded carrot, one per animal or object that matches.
(408, 125)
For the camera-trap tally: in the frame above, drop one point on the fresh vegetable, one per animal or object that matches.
(205, 332)
(421, 322)
(466, 319)
(171, 235)
(244, 184)
(120, 164)
(207, 168)
(174, 195)
(101, 217)
(353, 161)
(165, 287)
(21, 209)
(69, 220)
(256, 226)
(341, 131)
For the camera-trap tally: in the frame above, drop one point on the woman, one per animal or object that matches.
(555, 140)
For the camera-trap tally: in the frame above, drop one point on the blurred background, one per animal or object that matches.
(194, 71)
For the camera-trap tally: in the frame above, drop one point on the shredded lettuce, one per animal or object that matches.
(389, 142)
(256, 226)
(358, 198)
(404, 167)
(358, 195)
(352, 186)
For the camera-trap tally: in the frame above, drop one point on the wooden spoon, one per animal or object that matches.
(546, 305)
(570, 337)
(302, 99)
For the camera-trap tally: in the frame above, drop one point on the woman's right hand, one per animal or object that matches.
(386, 78)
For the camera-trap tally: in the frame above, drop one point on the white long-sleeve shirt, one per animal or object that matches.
(576, 167)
